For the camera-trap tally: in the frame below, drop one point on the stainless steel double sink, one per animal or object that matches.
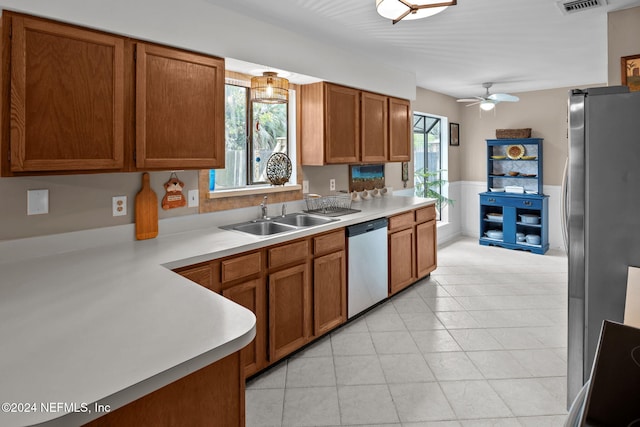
(279, 224)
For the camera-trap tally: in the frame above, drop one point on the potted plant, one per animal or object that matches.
(429, 184)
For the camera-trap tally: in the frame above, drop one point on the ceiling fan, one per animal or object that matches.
(489, 101)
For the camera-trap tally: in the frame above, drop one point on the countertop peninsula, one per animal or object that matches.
(93, 317)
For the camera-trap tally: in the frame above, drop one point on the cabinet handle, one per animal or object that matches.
(527, 203)
(491, 200)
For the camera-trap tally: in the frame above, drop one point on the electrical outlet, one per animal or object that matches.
(332, 185)
(193, 198)
(119, 205)
(305, 186)
(37, 202)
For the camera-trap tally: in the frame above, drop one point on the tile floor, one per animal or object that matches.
(482, 342)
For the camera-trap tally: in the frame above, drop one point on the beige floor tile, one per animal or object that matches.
(352, 344)
(421, 402)
(435, 341)
(474, 399)
(475, 339)
(358, 370)
(452, 366)
(529, 397)
(394, 342)
(370, 404)
(314, 406)
(421, 321)
(497, 364)
(405, 368)
(263, 408)
(311, 372)
(443, 304)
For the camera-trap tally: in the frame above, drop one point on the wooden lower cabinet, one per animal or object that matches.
(329, 292)
(251, 295)
(426, 258)
(213, 395)
(289, 310)
(401, 260)
(412, 247)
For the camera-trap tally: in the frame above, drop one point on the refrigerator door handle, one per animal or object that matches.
(564, 217)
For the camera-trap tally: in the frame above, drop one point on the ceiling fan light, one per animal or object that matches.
(487, 105)
(392, 9)
(269, 89)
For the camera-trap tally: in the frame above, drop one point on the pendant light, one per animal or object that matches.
(269, 88)
(398, 10)
(487, 105)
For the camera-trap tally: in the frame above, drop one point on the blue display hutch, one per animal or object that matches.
(502, 211)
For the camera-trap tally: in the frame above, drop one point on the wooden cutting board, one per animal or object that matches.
(146, 211)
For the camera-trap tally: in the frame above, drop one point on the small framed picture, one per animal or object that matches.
(630, 70)
(454, 134)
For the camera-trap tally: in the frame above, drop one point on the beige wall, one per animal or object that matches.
(79, 202)
(545, 112)
(624, 33)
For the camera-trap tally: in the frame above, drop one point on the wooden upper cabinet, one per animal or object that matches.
(399, 130)
(179, 109)
(345, 125)
(342, 110)
(374, 113)
(67, 97)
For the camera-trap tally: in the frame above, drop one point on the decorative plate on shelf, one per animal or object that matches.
(529, 157)
(278, 168)
(514, 152)
(498, 157)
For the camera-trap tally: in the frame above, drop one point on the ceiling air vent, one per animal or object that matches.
(574, 6)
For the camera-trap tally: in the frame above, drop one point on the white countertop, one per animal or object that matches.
(85, 322)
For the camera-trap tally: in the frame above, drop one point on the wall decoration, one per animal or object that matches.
(173, 197)
(366, 177)
(630, 70)
(405, 173)
(454, 134)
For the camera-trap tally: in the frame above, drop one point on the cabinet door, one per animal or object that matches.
(375, 113)
(67, 98)
(342, 136)
(401, 260)
(289, 312)
(251, 295)
(179, 109)
(425, 248)
(202, 275)
(399, 130)
(329, 292)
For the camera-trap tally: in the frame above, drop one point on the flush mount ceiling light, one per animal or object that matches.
(398, 10)
(269, 88)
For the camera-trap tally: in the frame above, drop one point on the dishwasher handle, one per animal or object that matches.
(365, 227)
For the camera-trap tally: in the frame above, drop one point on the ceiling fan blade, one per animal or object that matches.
(474, 99)
(424, 6)
(473, 103)
(503, 97)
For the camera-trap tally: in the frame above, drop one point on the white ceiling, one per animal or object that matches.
(520, 45)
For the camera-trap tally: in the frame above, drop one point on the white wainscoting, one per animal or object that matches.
(463, 218)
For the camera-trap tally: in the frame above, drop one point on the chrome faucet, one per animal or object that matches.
(263, 208)
(284, 209)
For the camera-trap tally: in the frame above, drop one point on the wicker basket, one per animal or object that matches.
(513, 133)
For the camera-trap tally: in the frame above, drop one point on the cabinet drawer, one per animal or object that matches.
(516, 202)
(425, 214)
(288, 254)
(401, 221)
(329, 242)
(241, 266)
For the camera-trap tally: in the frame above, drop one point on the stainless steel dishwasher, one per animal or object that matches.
(367, 265)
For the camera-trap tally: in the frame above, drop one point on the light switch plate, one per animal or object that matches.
(37, 202)
(305, 186)
(194, 200)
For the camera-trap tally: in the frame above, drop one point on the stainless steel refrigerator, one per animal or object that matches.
(602, 216)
